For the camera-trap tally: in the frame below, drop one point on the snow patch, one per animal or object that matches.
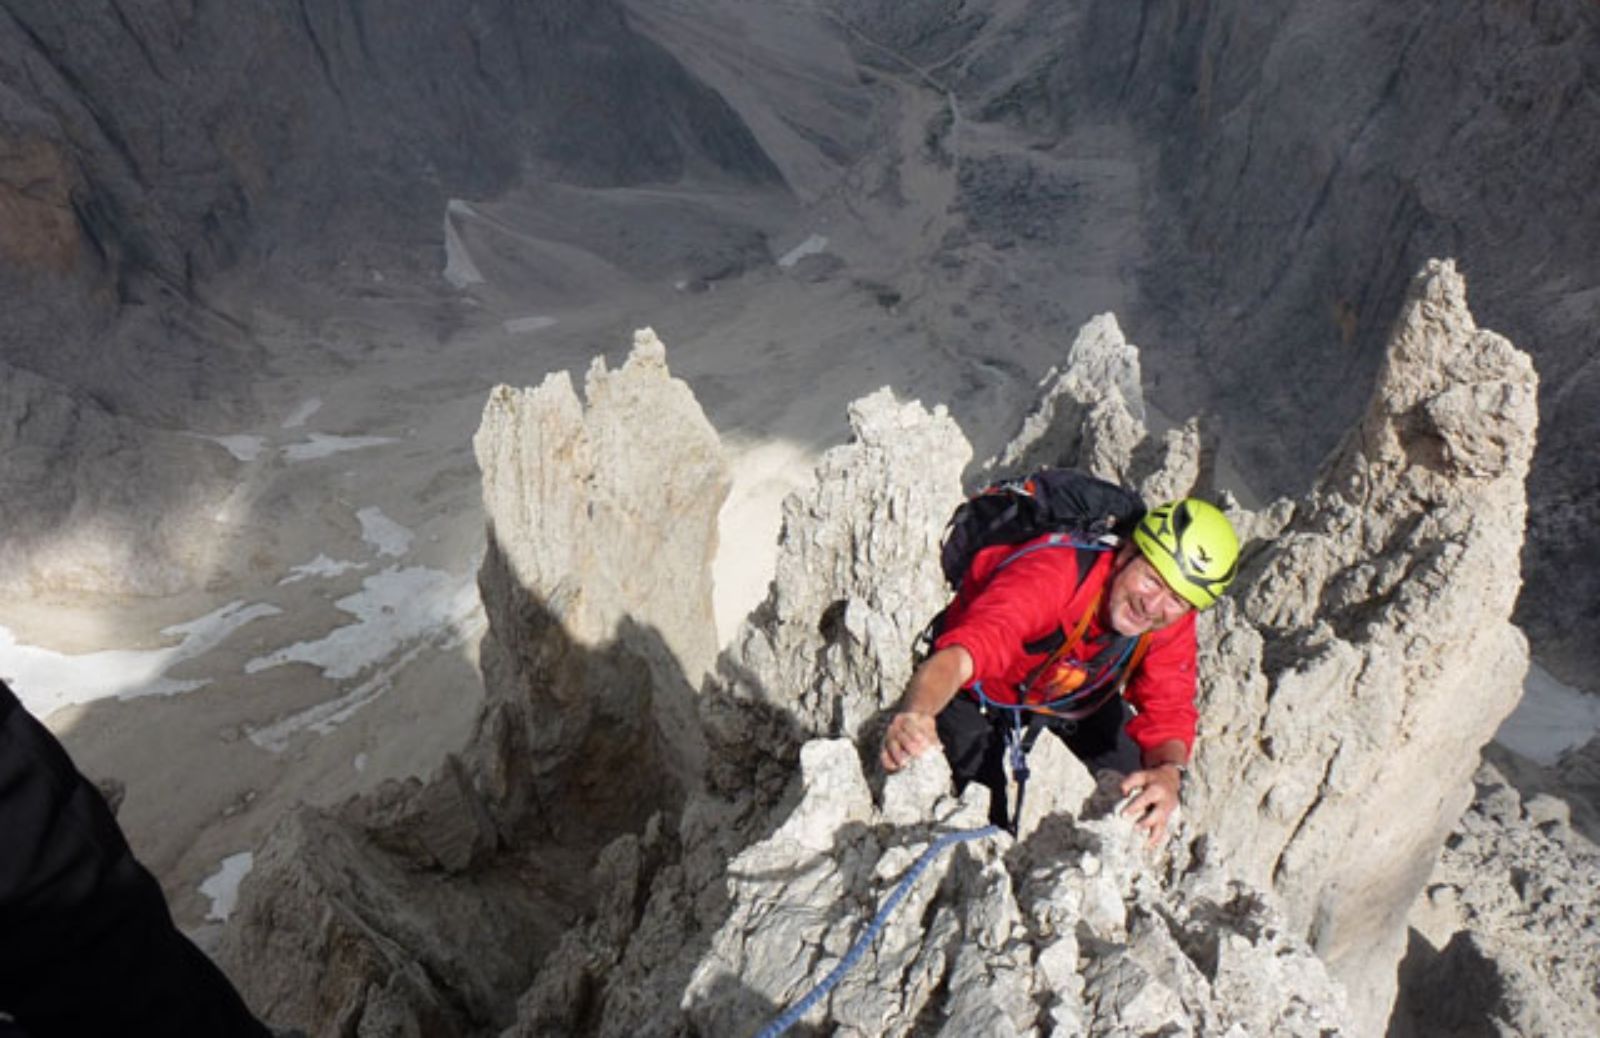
(46, 681)
(529, 324)
(298, 416)
(383, 533)
(810, 247)
(400, 613)
(459, 269)
(321, 445)
(1551, 718)
(245, 448)
(222, 886)
(321, 566)
(392, 609)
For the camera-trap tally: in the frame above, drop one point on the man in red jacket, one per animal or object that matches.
(1060, 636)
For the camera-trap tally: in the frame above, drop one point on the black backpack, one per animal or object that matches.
(1084, 507)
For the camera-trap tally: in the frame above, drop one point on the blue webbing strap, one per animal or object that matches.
(792, 1015)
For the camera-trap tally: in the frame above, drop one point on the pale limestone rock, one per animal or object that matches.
(909, 795)
(579, 509)
(775, 877)
(1091, 410)
(1091, 416)
(1385, 656)
(1176, 469)
(857, 580)
(602, 525)
(1058, 783)
(1353, 633)
(1003, 950)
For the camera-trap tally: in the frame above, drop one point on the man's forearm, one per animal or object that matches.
(1173, 751)
(937, 681)
(933, 684)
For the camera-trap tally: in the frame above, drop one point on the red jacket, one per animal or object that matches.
(1013, 597)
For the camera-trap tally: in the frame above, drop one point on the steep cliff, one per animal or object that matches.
(626, 891)
(1368, 653)
(602, 521)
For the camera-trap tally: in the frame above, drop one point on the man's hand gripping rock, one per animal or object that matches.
(1155, 796)
(910, 735)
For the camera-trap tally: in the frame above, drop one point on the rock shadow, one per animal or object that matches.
(437, 901)
(1451, 992)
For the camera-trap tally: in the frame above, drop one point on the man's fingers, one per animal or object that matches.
(908, 737)
(1150, 808)
(1141, 804)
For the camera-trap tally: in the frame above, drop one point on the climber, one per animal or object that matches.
(1047, 639)
(87, 946)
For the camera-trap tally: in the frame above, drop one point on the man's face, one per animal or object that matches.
(1141, 601)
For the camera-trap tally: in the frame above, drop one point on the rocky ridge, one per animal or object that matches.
(710, 910)
(1503, 939)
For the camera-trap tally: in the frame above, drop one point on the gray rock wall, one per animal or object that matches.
(857, 579)
(602, 529)
(602, 522)
(738, 909)
(1311, 157)
(1368, 653)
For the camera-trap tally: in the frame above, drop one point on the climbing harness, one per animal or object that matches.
(1020, 737)
(792, 1015)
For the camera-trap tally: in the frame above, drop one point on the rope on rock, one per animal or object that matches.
(793, 1014)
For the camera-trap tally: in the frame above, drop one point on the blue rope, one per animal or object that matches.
(816, 994)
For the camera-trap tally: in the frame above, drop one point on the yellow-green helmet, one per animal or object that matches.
(1193, 546)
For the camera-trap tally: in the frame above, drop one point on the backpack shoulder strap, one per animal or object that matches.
(1057, 540)
(1068, 643)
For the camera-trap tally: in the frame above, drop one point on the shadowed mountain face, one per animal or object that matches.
(146, 146)
(1311, 156)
